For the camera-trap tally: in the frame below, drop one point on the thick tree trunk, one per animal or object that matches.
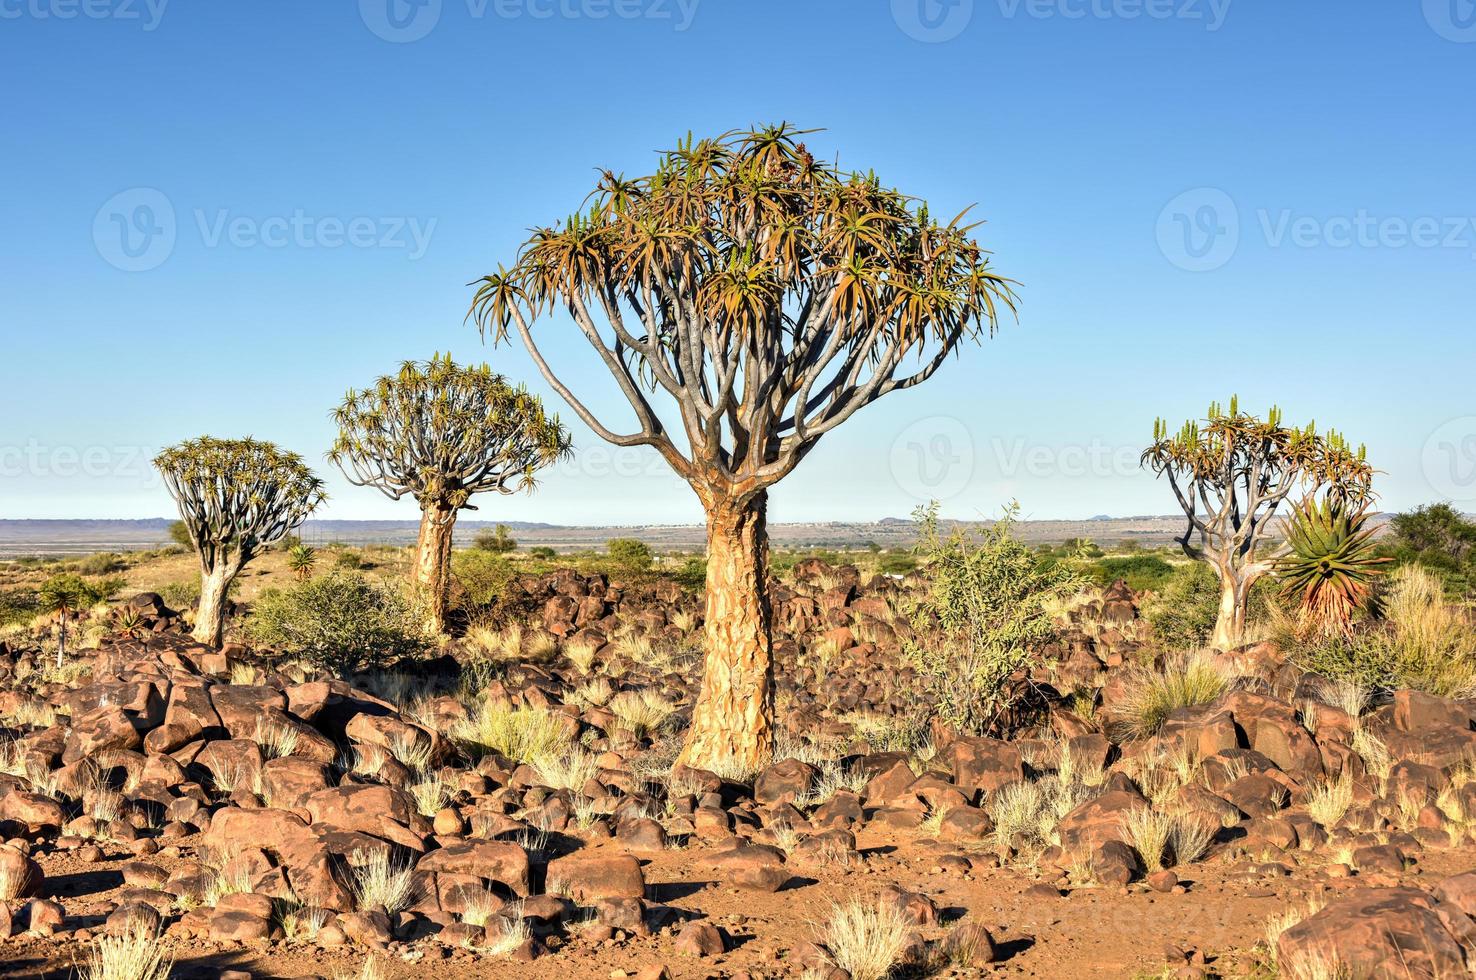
(1235, 586)
(210, 614)
(433, 562)
(732, 722)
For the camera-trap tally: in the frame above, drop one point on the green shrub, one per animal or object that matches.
(348, 560)
(1441, 539)
(985, 618)
(692, 574)
(629, 553)
(1184, 611)
(101, 564)
(1141, 572)
(18, 606)
(339, 621)
(498, 541)
(892, 564)
(181, 594)
(179, 533)
(544, 553)
(480, 576)
(1422, 643)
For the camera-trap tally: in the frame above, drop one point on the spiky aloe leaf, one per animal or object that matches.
(1332, 564)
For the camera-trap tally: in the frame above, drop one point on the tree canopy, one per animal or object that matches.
(769, 293)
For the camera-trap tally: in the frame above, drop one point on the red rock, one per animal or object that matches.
(700, 939)
(1377, 933)
(586, 878)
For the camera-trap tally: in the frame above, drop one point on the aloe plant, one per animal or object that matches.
(1332, 562)
(301, 560)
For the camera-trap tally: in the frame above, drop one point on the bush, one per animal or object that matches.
(179, 533)
(544, 553)
(1440, 538)
(101, 564)
(181, 594)
(1422, 643)
(693, 574)
(480, 576)
(17, 606)
(630, 554)
(1183, 612)
(498, 541)
(984, 619)
(891, 564)
(1141, 572)
(349, 560)
(339, 621)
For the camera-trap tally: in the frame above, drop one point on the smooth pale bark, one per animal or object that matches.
(210, 614)
(433, 562)
(1235, 586)
(731, 729)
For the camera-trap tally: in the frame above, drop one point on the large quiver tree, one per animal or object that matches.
(764, 297)
(236, 497)
(1230, 474)
(440, 432)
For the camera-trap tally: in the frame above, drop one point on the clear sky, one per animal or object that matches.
(219, 216)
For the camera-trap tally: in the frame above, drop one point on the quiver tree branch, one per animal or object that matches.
(441, 433)
(766, 296)
(236, 497)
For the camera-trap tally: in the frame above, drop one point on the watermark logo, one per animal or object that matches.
(403, 21)
(1449, 460)
(400, 21)
(933, 21)
(1199, 230)
(135, 229)
(1454, 20)
(147, 13)
(1210, 13)
(933, 458)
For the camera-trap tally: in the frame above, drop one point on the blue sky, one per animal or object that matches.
(218, 217)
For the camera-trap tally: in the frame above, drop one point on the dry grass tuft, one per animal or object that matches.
(132, 956)
(866, 940)
(381, 881)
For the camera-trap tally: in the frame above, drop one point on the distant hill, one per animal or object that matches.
(74, 537)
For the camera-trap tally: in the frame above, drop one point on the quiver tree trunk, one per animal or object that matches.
(210, 614)
(433, 562)
(731, 728)
(1235, 590)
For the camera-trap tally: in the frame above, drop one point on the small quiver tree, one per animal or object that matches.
(440, 433)
(236, 497)
(761, 297)
(1230, 474)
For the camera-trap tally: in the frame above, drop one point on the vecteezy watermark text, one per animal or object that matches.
(935, 21)
(1200, 230)
(137, 229)
(147, 13)
(403, 21)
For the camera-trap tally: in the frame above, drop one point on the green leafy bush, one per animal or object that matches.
(692, 574)
(984, 618)
(630, 554)
(891, 564)
(101, 564)
(1440, 538)
(498, 541)
(179, 533)
(181, 594)
(544, 553)
(339, 621)
(1422, 643)
(348, 560)
(480, 576)
(1141, 572)
(17, 606)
